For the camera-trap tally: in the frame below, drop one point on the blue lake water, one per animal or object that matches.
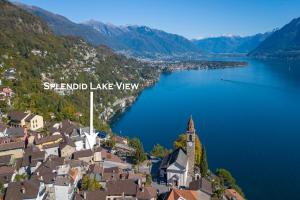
(247, 118)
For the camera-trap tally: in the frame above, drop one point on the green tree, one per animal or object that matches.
(2, 188)
(181, 143)
(139, 155)
(228, 181)
(203, 163)
(110, 143)
(148, 179)
(159, 151)
(89, 184)
(21, 177)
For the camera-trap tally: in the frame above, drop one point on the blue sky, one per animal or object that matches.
(190, 18)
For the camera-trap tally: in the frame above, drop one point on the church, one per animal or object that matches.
(178, 168)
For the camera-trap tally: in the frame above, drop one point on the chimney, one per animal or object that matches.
(142, 188)
(140, 183)
(23, 190)
(84, 195)
(91, 113)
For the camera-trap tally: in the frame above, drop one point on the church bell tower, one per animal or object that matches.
(190, 146)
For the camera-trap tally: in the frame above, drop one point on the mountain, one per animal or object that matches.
(284, 42)
(130, 40)
(230, 44)
(145, 40)
(63, 26)
(33, 54)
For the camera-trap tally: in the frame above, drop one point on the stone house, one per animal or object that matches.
(47, 141)
(11, 146)
(24, 119)
(66, 149)
(84, 155)
(129, 189)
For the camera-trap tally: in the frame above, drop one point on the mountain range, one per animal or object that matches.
(129, 40)
(143, 41)
(283, 43)
(231, 44)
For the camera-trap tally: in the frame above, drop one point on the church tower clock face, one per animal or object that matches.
(190, 144)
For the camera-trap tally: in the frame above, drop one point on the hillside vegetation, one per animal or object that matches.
(29, 46)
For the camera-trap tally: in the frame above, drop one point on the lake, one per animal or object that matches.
(248, 119)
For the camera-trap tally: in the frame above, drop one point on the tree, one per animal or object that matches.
(203, 163)
(139, 155)
(181, 143)
(159, 151)
(21, 177)
(110, 143)
(2, 188)
(148, 179)
(228, 181)
(89, 184)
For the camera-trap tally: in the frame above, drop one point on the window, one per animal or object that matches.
(190, 138)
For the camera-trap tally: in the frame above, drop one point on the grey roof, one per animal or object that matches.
(177, 156)
(32, 156)
(17, 115)
(83, 154)
(91, 195)
(5, 160)
(62, 180)
(12, 145)
(14, 190)
(16, 132)
(119, 187)
(203, 185)
(30, 117)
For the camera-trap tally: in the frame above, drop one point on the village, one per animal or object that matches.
(64, 160)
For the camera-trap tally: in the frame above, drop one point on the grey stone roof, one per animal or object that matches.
(62, 180)
(5, 160)
(203, 185)
(17, 115)
(177, 156)
(16, 132)
(83, 154)
(30, 117)
(31, 189)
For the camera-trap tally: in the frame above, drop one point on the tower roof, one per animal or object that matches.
(191, 127)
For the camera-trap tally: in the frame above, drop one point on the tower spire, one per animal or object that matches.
(191, 127)
(191, 147)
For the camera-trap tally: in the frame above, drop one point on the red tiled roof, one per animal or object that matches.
(233, 194)
(186, 194)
